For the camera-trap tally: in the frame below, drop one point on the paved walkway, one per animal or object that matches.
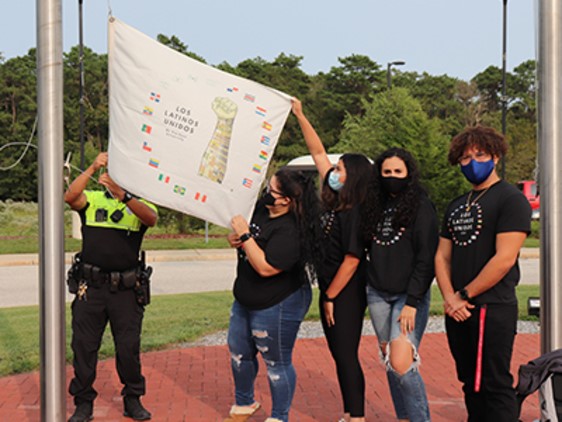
(194, 385)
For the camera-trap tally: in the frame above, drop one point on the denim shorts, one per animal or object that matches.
(385, 308)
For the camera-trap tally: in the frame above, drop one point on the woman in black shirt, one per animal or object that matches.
(342, 286)
(403, 224)
(272, 294)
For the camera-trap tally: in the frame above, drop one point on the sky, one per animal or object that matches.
(459, 38)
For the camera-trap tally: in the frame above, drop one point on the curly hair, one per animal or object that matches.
(407, 201)
(355, 189)
(305, 206)
(484, 138)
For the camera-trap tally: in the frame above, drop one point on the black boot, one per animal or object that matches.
(83, 412)
(134, 409)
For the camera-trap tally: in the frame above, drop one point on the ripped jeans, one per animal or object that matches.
(407, 390)
(272, 332)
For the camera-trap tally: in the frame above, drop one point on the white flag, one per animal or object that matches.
(184, 134)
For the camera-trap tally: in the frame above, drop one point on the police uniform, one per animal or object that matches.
(107, 291)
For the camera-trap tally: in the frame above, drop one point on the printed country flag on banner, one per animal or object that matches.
(201, 127)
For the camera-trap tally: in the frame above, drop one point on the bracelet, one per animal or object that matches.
(325, 298)
(126, 197)
(245, 236)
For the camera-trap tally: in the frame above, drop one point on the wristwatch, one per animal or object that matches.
(127, 197)
(464, 295)
(245, 237)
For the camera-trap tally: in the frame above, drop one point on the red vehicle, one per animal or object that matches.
(529, 188)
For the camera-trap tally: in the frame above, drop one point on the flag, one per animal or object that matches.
(200, 125)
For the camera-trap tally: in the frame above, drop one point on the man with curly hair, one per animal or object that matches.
(477, 270)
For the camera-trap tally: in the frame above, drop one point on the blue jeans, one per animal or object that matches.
(272, 332)
(407, 390)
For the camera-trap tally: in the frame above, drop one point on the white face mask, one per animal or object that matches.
(334, 181)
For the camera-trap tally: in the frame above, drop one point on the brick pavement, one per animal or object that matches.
(195, 385)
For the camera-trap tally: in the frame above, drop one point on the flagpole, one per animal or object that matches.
(549, 74)
(51, 209)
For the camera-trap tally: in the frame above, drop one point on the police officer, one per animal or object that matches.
(108, 281)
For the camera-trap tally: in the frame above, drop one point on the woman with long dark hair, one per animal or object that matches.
(343, 298)
(272, 293)
(402, 224)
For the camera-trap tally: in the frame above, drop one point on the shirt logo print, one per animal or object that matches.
(386, 235)
(465, 224)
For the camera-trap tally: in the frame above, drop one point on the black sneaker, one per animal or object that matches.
(83, 412)
(134, 409)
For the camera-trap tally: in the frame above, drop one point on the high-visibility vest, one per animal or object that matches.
(99, 201)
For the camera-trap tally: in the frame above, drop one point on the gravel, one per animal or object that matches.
(313, 329)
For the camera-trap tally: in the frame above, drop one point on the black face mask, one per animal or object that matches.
(268, 199)
(394, 185)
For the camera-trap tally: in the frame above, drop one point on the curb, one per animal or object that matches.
(11, 260)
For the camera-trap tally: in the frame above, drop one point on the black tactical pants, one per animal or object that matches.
(89, 319)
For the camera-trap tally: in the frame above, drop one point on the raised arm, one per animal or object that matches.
(313, 141)
(145, 214)
(74, 195)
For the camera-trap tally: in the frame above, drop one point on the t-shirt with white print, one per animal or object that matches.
(472, 222)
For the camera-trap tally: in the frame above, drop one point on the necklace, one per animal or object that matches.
(470, 204)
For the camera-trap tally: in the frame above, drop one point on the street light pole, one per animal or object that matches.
(81, 89)
(388, 71)
(504, 85)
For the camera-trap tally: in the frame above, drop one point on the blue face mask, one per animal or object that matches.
(334, 181)
(477, 172)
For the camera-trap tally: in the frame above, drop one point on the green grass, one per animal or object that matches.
(31, 244)
(19, 230)
(531, 242)
(523, 294)
(169, 320)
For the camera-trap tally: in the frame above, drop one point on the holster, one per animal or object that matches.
(142, 285)
(74, 274)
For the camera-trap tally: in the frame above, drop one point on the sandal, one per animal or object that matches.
(242, 413)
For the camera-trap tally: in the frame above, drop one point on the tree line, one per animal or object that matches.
(350, 106)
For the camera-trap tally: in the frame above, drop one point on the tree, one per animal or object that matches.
(395, 119)
(342, 90)
(489, 84)
(176, 44)
(523, 90)
(18, 110)
(438, 97)
(96, 107)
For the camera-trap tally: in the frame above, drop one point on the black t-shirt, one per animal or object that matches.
(402, 261)
(279, 239)
(473, 230)
(342, 237)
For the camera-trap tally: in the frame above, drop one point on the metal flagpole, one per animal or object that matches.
(51, 229)
(550, 156)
